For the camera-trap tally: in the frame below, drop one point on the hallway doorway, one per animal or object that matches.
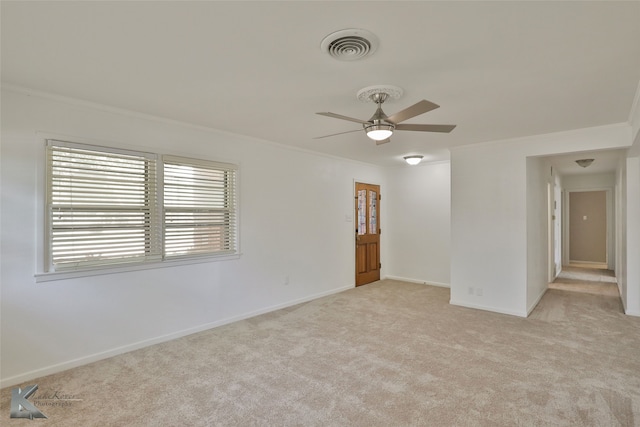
(588, 227)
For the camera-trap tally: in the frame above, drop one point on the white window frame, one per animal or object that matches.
(49, 273)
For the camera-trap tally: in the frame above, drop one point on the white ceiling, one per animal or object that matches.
(605, 161)
(497, 69)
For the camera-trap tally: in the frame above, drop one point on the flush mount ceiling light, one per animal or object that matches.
(413, 160)
(584, 162)
(350, 44)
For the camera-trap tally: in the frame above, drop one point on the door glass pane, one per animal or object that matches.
(362, 211)
(373, 212)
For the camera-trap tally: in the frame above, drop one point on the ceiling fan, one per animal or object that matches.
(380, 127)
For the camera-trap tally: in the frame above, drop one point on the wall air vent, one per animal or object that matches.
(350, 44)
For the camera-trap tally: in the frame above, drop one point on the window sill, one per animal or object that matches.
(72, 274)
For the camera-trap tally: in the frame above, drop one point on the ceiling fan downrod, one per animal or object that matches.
(379, 115)
(378, 128)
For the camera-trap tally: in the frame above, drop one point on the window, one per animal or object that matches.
(199, 207)
(110, 207)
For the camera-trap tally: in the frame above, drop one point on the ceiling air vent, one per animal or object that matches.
(350, 45)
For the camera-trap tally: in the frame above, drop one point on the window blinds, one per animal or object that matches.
(102, 206)
(109, 207)
(199, 207)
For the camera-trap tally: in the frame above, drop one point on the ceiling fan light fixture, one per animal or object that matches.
(379, 132)
(413, 160)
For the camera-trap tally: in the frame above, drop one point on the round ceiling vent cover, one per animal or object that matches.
(350, 44)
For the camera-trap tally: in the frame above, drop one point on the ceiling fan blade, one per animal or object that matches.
(426, 128)
(339, 116)
(384, 141)
(340, 133)
(415, 110)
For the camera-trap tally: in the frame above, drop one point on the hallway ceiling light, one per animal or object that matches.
(413, 160)
(584, 162)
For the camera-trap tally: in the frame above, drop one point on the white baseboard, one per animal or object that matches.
(422, 282)
(589, 264)
(59, 367)
(486, 308)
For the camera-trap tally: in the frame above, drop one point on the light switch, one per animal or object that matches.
(584, 218)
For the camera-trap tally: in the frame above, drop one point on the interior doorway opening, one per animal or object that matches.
(367, 237)
(587, 234)
(588, 227)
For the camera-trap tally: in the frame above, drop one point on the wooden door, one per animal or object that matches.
(367, 233)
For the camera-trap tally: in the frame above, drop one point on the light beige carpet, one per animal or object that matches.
(385, 354)
(597, 281)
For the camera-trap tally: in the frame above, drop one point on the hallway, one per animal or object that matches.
(590, 279)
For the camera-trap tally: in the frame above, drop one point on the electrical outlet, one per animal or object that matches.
(286, 280)
(470, 290)
(479, 292)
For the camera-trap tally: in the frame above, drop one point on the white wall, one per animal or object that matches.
(488, 230)
(557, 225)
(489, 212)
(293, 209)
(632, 213)
(418, 213)
(587, 182)
(538, 179)
(633, 235)
(621, 230)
